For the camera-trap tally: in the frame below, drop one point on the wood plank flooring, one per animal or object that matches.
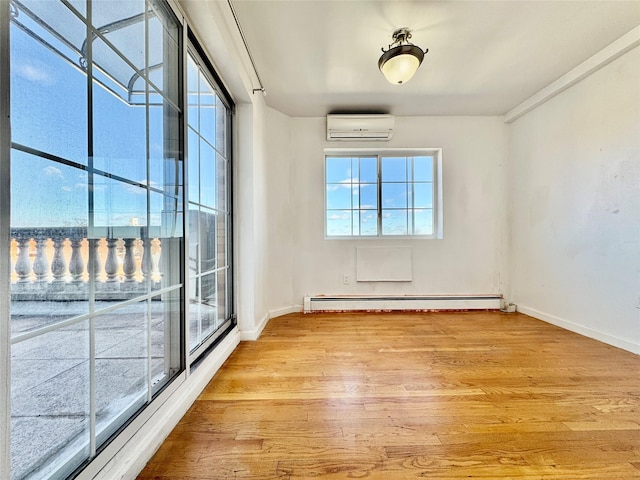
(412, 395)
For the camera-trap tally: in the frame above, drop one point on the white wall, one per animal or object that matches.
(471, 257)
(279, 215)
(575, 197)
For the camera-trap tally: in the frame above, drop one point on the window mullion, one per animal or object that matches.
(379, 188)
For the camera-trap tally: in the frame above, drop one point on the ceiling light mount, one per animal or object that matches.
(402, 59)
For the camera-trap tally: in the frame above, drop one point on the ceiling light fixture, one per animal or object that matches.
(402, 59)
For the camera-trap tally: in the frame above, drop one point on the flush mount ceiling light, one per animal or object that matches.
(400, 62)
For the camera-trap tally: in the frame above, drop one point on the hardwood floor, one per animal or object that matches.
(418, 395)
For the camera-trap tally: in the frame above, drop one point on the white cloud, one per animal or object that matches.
(52, 171)
(35, 72)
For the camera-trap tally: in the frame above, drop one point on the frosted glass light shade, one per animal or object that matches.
(400, 63)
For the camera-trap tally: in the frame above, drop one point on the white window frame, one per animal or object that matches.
(436, 153)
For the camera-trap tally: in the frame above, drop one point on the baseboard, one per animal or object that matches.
(285, 311)
(253, 335)
(133, 455)
(612, 340)
(344, 303)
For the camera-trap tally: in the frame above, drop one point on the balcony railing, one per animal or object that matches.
(53, 263)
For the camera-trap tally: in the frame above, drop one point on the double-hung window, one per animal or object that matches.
(393, 193)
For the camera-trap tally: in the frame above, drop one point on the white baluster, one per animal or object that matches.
(58, 264)
(129, 264)
(76, 264)
(41, 263)
(111, 264)
(23, 264)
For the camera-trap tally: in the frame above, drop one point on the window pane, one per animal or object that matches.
(394, 169)
(194, 241)
(339, 196)
(208, 306)
(121, 340)
(423, 195)
(221, 183)
(118, 204)
(394, 222)
(368, 169)
(422, 169)
(207, 174)
(338, 222)
(423, 222)
(222, 296)
(207, 111)
(119, 141)
(394, 195)
(368, 196)
(162, 150)
(50, 401)
(222, 137)
(338, 170)
(193, 163)
(81, 238)
(50, 84)
(208, 237)
(368, 222)
(48, 194)
(192, 93)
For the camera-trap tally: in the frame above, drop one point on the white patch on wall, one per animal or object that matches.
(384, 264)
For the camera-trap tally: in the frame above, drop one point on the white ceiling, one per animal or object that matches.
(485, 57)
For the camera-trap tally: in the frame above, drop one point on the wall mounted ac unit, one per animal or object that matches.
(359, 127)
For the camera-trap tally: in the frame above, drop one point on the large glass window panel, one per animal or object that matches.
(45, 80)
(121, 339)
(97, 224)
(209, 216)
(50, 408)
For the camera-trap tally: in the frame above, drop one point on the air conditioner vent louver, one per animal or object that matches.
(359, 127)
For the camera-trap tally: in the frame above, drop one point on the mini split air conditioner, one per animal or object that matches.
(359, 127)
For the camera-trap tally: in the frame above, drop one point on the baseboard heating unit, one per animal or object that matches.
(342, 303)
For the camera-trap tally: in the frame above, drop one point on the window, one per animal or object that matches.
(99, 259)
(395, 193)
(209, 212)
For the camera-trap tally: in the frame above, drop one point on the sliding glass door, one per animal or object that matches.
(97, 223)
(209, 212)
